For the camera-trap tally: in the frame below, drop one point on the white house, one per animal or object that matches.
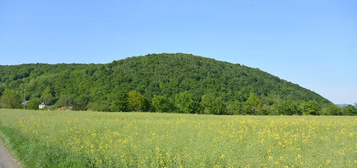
(42, 106)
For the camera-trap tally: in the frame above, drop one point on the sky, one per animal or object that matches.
(310, 43)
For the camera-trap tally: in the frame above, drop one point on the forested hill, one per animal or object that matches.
(165, 78)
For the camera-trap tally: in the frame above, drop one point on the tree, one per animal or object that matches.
(252, 104)
(186, 104)
(47, 96)
(103, 106)
(65, 100)
(1, 90)
(311, 108)
(33, 104)
(235, 108)
(120, 102)
(212, 105)
(269, 110)
(137, 101)
(207, 103)
(288, 108)
(334, 110)
(161, 104)
(220, 106)
(9, 99)
(349, 110)
(80, 103)
(157, 74)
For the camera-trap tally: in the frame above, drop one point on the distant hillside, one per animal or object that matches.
(97, 86)
(341, 105)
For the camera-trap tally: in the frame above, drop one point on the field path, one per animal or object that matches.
(6, 160)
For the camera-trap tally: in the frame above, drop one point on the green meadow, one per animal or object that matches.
(92, 139)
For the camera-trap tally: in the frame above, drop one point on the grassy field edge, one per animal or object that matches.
(7, 141)
(31, 153)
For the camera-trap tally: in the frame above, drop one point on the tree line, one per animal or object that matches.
(167, 82)
(183, 102)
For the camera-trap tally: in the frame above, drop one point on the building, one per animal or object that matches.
(42, 106)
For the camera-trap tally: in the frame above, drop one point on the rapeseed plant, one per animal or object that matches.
(95, 139)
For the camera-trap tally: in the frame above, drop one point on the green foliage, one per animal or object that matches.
(33, 104)
(220, 106)
(311, 108)
(65, 100)
(251, 106)
(10, 100)
(104, 85)
(269, 109)
(349, 110)
(207, 102)
(1, 91)
(120, 102)
(288, 108)
(162, 104)
(80, 103)
(235, 108)
(102, 106)
(137, 101)
(334, 110)
(48, 98)
(186, 103)
(213, 105)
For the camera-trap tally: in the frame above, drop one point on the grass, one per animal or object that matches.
(90, 139)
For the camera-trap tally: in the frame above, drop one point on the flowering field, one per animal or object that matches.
(90, 139)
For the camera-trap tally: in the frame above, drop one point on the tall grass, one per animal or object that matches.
(90, 139)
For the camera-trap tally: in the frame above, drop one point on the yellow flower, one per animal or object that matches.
(222, 157)
(281, 158)
(328, 161)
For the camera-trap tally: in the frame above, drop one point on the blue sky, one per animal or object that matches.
(311, 43)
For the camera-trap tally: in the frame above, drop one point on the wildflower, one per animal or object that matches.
(281, 158)
(298, 157)
(222, 157)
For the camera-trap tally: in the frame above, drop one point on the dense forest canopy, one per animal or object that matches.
(159, 82)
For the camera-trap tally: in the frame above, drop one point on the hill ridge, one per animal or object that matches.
(167, 75)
